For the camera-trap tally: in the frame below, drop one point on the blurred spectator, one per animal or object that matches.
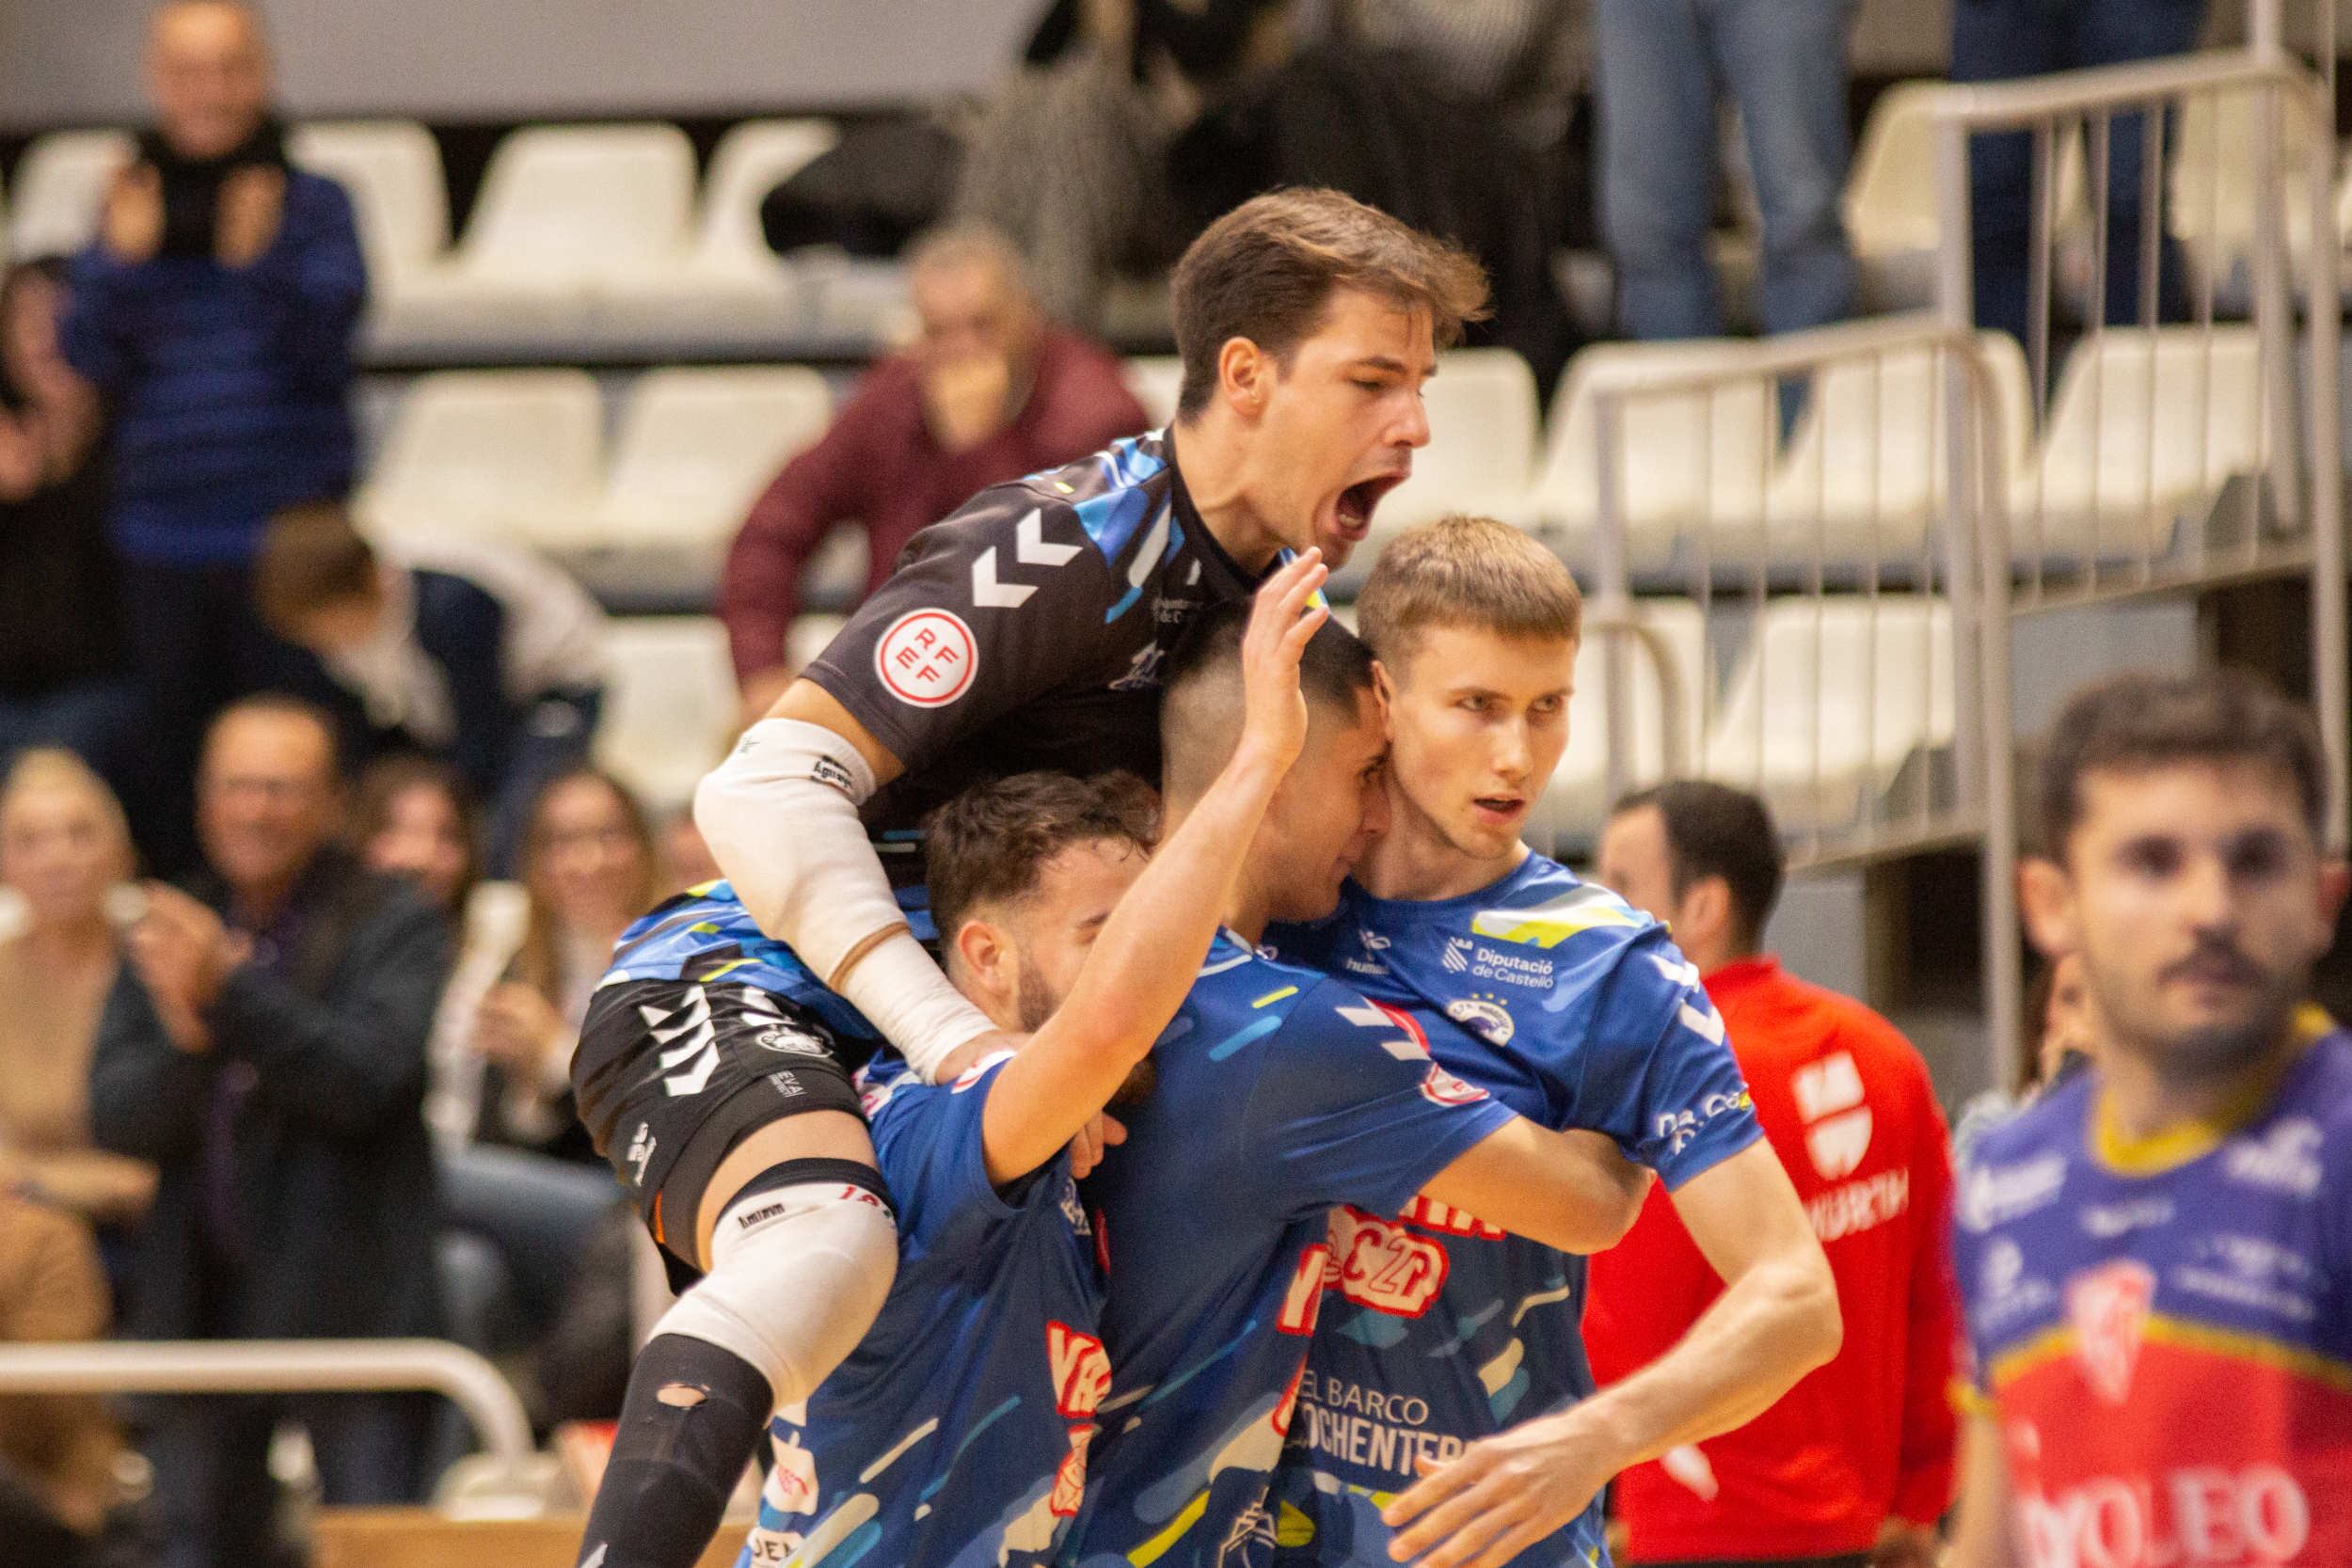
(1858, 1458)
(1995, 40)
(590, 867)
(991, 392)
(466, 649)
(56, 1451)
(266, 1049)
(1069, 157)
(62, 654)
(520, 1223)
(1522, 59)
(685, 860)
(1658, 68)
(2055, 1044)
(214, 313)
(65, 853)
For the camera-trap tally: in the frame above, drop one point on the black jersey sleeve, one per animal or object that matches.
(987, 610)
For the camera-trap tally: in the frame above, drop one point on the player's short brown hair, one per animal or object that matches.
(990, 844)
(2141, 721)
(311, 555)
(1266, 272)
(1466, 571)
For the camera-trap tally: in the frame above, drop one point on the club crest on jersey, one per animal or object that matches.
(1483, 1015)
(2109, 1308)
(1443, 1088)
(927, 659)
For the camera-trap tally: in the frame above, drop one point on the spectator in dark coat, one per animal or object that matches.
(214, 312)
(474, 652)
(266, 1047)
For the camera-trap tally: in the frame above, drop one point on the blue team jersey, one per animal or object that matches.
(2162, 1331)
(956, 1434)
(1576, 1011)
(1279, 1094)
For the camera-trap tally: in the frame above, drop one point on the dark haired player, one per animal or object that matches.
(2156, 1257)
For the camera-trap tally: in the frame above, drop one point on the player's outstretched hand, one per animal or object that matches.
(1503, 1495)
(1285, 617)
(1086, 1149)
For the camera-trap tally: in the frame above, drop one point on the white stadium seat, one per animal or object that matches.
(2212, 202)
(670, 709)
(53, 202)
(1691, 460)
(729, 287)
(2145, 428)
(563, 210)
(1577, 801)
(1828, 700)
(512, 454)
(1865, 469)
(1155, 380)
(696, 446)
(392, 169)
(1484, 430)
(1891, 194)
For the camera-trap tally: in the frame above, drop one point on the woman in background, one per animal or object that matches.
(65, 853)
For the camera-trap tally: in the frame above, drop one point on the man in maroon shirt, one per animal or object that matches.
(990, 391)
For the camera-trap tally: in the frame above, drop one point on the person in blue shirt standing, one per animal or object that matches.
(214, 313)
(1569, 1007)
(1278, 1093)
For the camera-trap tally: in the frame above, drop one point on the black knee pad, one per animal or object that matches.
(691, 1423)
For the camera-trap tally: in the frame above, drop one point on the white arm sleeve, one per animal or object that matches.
(780, 815)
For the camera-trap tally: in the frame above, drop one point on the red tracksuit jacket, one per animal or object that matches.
(1849, 1108)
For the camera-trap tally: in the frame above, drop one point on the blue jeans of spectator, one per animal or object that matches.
(215, 1497)
(1658, 65)
(556, 737)
(536, 1213)
(1995, 40)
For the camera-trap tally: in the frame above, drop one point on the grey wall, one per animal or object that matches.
(68, 61)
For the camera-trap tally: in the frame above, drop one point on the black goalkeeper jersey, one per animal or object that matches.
(1026, 631)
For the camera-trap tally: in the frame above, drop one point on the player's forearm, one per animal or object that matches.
(1980, 1535)
(1135, 979)
(1773, 1324)
(780, 817)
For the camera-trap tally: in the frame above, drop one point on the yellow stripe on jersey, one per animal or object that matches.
(2164, 1329)
(1273, 996)
(2153, 1154)
(1156, 1548)
(1550, 925)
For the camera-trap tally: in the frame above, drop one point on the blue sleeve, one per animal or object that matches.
(103, 314)
(314, 278)
(927, 1143)
(1652, 1071)
(1347, 1108)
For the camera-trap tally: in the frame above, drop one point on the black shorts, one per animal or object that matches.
(671, 1074)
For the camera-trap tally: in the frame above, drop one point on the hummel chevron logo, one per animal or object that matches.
(1030, 548)
(696, 1054)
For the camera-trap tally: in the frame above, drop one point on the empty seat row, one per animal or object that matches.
(1825, 702)
(521, 455)
(582, 234)
(2143, 429)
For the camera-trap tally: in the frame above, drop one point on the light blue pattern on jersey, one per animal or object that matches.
(707, 927)
(1278, 1093)
(1568, 1006)
(955, 1435)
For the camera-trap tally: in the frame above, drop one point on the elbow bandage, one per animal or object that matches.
(780, 817)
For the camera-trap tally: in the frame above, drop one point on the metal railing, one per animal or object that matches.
(1818, 642)
(282, 1366)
